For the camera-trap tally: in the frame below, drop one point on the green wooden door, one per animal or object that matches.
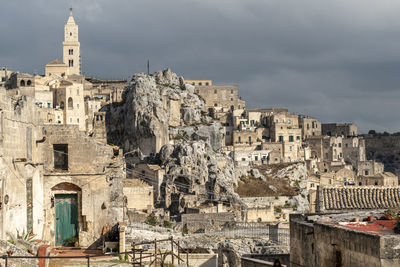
(66, 217)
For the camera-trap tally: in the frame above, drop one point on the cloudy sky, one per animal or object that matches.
(337, 60)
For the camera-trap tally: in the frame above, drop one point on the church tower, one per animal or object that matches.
(71, 46)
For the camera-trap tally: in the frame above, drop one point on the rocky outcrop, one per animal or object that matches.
(158, 109)
(165, 122)
(194, 167)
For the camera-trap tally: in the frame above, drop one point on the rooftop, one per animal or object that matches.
(378, 227)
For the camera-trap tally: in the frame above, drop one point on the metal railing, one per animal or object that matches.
(157, 258)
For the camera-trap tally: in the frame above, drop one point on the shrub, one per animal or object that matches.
(152, 220)
(167, 224)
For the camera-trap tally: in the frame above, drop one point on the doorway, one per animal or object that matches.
(66, 219)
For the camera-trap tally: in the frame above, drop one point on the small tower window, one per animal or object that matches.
(70, 63)
(71, 51)
(70, 34)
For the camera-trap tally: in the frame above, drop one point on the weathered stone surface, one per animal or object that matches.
(152, 107)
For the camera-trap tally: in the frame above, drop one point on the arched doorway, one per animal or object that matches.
(66, 213)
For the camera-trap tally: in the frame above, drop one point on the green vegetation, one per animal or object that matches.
(152, 220)
(167, 224)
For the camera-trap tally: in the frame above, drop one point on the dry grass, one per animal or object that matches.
(251, 187)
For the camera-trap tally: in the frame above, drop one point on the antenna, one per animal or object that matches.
(148, 67)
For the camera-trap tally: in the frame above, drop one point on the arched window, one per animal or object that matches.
(70, 103)
(29, 83)
(22, 83)
(62, 105)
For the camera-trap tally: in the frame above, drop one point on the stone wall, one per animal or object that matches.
(94, 173)
(204, 222)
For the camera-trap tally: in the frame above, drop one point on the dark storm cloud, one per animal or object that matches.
(335, 60)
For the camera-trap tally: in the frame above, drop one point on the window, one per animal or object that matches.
(290, 148)
(340, 144)
(366, 172)
(325, 170)
(243, 159)
(70, 119)
(239, 139)
(231, 91)
(215, 104)
(298, 137)
(228, 133)
(376, 182)
(312, 185)
(22, 83)
(200, 84)
(281, 138)
(77, 91)
(77, 120)
(48, 105)
(70, 34)
(29, 83)
(60, 156)
(3, 79)
(291, 139)
(215, 91)
(77, 105)
(207, 83)
(276, 159)
(256, 158)
(359, 183)
(70, 63)
(289, 121)
(70, 103)
(71, 51)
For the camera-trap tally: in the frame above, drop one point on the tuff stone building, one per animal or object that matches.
(338, 129)
(309, 126)
(71, 47)
(218, 97)
(340, 240)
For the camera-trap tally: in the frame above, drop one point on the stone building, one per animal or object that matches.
(71, 47)
(21, 166)
(71, 63)
(5, 74)
(218, 96)
(105, 91)
(381, 179)
(68, 96)
(83, 176)
(369, 168)
(340, 240)
(339, 129)
(309, 126)
(284, 128)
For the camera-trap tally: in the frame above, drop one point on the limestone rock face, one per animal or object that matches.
(158, 109)
(194, 166)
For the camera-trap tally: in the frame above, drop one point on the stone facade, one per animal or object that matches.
(91, 170)
(333, 240)
(337, 129)
(309, 126)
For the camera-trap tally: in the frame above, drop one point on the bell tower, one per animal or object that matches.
(71, 46)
